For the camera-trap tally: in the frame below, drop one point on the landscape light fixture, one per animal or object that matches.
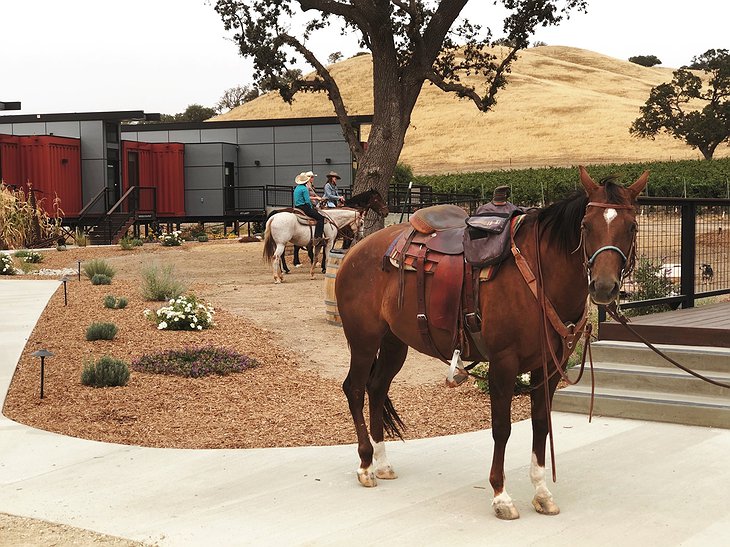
(64, 280)
(79, 269)
(42, 353)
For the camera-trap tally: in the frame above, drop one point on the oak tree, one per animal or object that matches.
(411, 42)
(691, 108)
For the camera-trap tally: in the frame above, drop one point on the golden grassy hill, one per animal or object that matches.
(562, 106)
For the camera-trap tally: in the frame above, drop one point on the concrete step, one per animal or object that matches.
(648, 378)
(645, 405)
(698, 358)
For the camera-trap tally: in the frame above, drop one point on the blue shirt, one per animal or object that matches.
(301, 195)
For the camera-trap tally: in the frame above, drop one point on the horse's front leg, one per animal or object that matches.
(502, 375)
(543, 500)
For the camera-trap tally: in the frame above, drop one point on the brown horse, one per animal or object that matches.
(578, 247)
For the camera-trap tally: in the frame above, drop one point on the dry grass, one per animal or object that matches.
(563, 106)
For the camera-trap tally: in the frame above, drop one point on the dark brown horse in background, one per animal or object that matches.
(578, 247)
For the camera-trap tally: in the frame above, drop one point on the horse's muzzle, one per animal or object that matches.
(603, 291)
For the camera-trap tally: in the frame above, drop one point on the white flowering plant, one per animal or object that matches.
(171, 239)
(6, 265)
(182, 313)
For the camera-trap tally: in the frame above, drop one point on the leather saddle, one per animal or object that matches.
(435, 243)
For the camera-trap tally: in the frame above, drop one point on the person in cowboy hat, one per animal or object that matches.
(303, 202)
(331, 195)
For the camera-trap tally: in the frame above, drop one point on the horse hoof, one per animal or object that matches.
(386, 473)
(277, 281)
(366, 477)
(545, 506)
(506, 511)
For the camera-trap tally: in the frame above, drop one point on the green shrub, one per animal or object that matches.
(115, 303)
(194, 362)
(126, 244)
(106, 372)
(101, 331)
(31, 257)
(173, 239)
(652, 281)
(159, 283)
(98, 266)
(6, 265)
(182, 313)
(101, 279)
(137, 242)
(522, 382)
(203, 238)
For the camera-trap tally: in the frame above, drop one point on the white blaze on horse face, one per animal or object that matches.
(609, 215)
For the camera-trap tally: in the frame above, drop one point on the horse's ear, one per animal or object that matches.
(586, 180)
(639, 185)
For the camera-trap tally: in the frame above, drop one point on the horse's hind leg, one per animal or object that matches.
(543, 500)
(502, 376)
(389, 362)
(276, 262)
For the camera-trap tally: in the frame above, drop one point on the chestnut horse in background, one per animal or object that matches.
(577, 247)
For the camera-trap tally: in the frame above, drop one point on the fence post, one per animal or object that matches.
(688, 237)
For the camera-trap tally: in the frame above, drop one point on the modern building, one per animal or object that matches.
(99, 164)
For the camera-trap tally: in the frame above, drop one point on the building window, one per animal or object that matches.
(112, 132)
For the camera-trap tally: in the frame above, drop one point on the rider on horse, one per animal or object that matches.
(303, 202)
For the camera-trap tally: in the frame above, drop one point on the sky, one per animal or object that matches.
(163, 55)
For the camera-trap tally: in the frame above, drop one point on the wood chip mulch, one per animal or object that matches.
(277, 404)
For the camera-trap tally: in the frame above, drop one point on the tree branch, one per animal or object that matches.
(461, 90)
(328, 84)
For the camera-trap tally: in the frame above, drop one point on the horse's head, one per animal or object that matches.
(370, 199)
(608, 234)
(377, 203)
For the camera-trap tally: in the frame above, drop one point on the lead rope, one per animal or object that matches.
(616, 314)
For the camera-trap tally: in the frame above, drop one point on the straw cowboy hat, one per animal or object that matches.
(310, 174)
(302, 178)
(332, 174)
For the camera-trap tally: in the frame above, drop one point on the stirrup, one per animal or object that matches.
(457, 373)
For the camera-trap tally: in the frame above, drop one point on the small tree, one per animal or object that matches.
(645, 60)
(236, 96)
(334, 57)
(672, 106)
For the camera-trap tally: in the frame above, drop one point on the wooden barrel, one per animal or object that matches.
(334, 259)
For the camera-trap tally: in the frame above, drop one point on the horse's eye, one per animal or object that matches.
(634, 228)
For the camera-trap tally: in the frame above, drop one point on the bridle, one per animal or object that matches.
(628, 258)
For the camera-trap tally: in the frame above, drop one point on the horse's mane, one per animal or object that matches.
(561, 220)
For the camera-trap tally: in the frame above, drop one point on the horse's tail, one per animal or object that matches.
(269, 243)
(392, 423)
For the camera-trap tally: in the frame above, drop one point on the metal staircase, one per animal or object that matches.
(109, 227)
(634, 382)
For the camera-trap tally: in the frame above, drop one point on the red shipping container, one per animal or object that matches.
(10, 160)
(159, 165)
(53, 166)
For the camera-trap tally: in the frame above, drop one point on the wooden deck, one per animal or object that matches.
(702, 326)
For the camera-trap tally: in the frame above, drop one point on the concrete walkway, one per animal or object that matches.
(619, 482)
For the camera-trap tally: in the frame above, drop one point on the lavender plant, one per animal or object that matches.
(194, 362)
